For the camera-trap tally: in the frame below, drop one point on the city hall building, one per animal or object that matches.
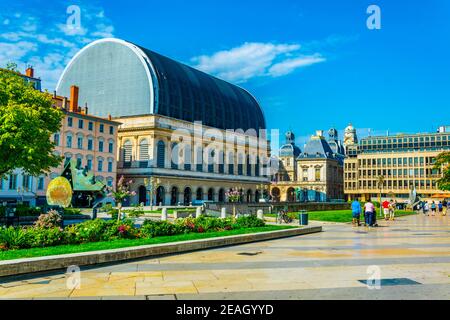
(405, 161)
(184, 135)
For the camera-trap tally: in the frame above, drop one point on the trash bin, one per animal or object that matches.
(303, 218)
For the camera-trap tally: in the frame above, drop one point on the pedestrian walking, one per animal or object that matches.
(369, 213)
(433, 208)
(440, 207)
(448, 208)
(392, 207)
(385, 205)
(356, 213)
(426, 208)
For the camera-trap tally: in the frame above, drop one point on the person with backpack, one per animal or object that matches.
(356, 213)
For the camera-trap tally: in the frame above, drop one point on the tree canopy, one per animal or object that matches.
(443, 161)
(27, 121)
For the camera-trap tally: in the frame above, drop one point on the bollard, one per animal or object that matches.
(223, 213)
(164, 214)
(260, 214)
(198, 212)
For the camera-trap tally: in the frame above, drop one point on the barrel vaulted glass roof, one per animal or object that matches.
(122, 79)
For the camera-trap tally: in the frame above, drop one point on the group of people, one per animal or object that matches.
(370, 212)
(442, 207)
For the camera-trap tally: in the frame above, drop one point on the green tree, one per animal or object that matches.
(443, 163)
(27, 121)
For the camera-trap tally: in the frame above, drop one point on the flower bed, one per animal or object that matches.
(46, 232)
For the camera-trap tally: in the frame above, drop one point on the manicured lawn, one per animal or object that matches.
(94, 246)
(340, 215)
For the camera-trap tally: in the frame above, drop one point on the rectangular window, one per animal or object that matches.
(317, 174)
(111, 147)
(80, 143)
(80, 124)
(91, 126)
(89, 164)
(100, 166)
(110, 166)
(56, 139)
(69, 142)
(13, 182)
(90, 144)
(102, 127)
(111, 130)
(69, 121)
(100, 146)
(41, 183)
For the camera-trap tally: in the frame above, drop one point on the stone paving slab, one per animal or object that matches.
(40, 264)
(333, 265)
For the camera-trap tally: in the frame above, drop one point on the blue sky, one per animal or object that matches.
(311, 64)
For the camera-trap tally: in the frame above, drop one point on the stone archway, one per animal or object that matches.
(174, 196)
(199, 194)
(187, 196)
(142, 195)
(249, 196)
(160, 192)
(222, 195)
(276, 194)
(210, 194)
(290, 195)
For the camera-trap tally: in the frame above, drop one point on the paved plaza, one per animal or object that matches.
(412, 254)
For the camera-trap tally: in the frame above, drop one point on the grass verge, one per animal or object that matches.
(115, 244)
(340, 215)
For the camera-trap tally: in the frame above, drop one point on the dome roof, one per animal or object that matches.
(119, 78)
(350, 128)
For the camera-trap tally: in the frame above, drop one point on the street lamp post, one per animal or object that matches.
(380, 187)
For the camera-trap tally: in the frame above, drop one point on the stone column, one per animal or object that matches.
(260, 214)
(223, 213)
(198, 212)
(164, 214)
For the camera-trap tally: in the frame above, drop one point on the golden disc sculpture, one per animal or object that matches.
(59, 192)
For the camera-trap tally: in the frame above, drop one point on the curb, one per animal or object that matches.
(57, 262)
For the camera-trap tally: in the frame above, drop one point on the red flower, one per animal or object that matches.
(200, 230)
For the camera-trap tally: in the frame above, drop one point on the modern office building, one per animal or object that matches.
(405, 161)
(314, 175)
(175, 139)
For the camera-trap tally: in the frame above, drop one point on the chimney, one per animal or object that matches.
(319, 133)
(109, 117)
(64, 103)
(74, 98)
(86, 109)
(29, 72)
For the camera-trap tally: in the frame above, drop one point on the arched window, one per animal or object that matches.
(249, 166)
(187, 157)
(221, 162)
(143, 153)
(199, 194)
(161, 154)
(199, 159)
(211, 155)
(174, 159)
(143, 150)
(210, 194)
(230, 163)
(240, 164)
(127, 151)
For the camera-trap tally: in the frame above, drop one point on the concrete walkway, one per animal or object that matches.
(411, 256)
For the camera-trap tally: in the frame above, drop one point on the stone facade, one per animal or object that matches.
(188, 162)
(314, 175)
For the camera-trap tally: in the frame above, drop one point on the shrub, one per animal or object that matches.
(23, 211)
(52, 219)
(45, 237)
(72, 212)
(152, 228)
(124, 229)
(249, 222)
(88, 231)
(136, 212)
(13, 238)
(2, 211)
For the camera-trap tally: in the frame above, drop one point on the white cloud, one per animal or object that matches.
(44, 40)
(254, 59)
(289, 65)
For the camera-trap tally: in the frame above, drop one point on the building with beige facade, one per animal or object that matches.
(404, 161)
(162, 104)
(314, 175)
